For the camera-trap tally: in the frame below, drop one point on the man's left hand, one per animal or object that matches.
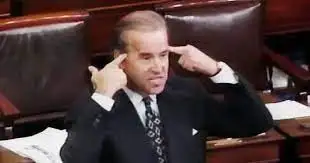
(192, 59)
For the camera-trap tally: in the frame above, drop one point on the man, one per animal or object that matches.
(134, 116)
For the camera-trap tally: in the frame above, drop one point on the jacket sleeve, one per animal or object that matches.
(86, 133)
(241, 113)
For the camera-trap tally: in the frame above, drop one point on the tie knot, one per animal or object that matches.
(147, 100)
(147, 103)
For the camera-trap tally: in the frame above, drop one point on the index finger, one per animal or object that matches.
(178, 49)
(92, 69)
(118, 60)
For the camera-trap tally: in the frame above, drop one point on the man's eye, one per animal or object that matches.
(163, 54)
(146, 57)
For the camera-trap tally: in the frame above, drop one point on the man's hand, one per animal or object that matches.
(109, 79)
(192, 59)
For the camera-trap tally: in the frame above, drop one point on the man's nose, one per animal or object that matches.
(157, 65)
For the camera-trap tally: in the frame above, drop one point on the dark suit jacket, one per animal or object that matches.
(118, 136)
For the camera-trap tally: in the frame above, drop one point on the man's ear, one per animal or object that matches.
(117, 53)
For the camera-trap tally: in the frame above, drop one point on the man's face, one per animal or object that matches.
(147, 60)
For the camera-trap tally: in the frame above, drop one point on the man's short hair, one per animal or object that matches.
(145, 20)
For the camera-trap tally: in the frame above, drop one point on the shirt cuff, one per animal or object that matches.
(226, 75)
(104, 101)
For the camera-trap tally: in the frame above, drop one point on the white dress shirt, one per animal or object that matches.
(226, 75)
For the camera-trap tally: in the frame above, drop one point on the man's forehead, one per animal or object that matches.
(138, 50)
(138, 35)
(143, 42)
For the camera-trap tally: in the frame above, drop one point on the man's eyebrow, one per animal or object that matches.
(165, 51)
(145, 54)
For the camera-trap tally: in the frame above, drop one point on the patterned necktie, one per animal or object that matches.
(154, 130)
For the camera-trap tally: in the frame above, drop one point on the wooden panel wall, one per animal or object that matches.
(103, 15)
(4, 8)
(42, 6)
(39, 6)
(282, 16)
(103, 20)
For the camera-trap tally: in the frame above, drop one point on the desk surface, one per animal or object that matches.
(261, 148)
(294, 129)
(7, 156)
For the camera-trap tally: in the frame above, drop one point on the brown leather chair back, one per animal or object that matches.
(228, 31)
(43, 61)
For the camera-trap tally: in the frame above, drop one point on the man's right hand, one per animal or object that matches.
(109, 79)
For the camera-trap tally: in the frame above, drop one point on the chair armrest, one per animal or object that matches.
(287, 66)
(6, 107)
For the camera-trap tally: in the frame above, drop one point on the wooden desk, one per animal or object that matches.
(256, 149)
(294, 129)
(267, 149)
(7, 156)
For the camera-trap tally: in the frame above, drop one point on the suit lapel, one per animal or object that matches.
(177, 127)
(131, 130)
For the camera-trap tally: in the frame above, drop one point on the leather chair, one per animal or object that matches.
(43, 68)
(229, 31)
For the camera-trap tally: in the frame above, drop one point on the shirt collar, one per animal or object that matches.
(136, 98)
